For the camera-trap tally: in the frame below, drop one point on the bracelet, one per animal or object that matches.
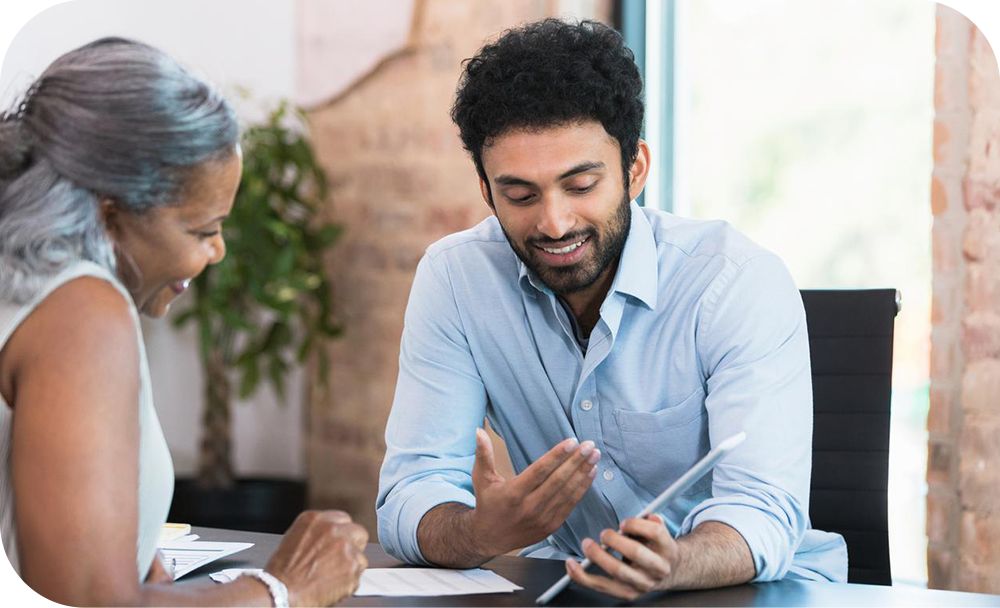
(277, 589)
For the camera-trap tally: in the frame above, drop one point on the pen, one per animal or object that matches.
(685, 481)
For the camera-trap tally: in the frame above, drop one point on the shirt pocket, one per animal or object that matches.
(655, 448)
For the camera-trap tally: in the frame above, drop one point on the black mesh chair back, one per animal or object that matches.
(850, 342)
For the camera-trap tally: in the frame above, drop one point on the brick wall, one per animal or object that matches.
(400, 180)
(963, 469)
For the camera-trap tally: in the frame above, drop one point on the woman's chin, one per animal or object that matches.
(158, 306)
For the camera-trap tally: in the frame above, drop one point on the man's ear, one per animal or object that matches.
(639, 171)
(484, 190)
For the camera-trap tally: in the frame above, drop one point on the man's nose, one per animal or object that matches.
(557, 217)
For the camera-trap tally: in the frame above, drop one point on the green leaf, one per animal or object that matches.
(250, 379)
(268, 303)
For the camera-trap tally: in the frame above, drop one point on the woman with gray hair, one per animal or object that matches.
(117, 170)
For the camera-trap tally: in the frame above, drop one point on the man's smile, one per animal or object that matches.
(563, 255)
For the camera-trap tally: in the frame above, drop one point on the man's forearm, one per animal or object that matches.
(446, 537)
(712, 555)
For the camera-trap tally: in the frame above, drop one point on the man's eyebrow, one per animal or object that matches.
(582, 168)
(510, 180)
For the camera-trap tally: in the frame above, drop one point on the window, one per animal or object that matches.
(807, 125)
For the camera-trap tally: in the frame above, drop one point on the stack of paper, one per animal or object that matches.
(185, 556)
(171, 531)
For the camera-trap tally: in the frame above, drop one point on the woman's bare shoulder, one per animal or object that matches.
(84, 324)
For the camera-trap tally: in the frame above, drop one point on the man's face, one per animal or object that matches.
(559, 195)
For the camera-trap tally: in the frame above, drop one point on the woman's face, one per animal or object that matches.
(163, 249)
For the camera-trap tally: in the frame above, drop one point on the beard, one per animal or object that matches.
(606, 248)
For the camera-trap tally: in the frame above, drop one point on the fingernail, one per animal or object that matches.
(586, 543)
(594, 457)
(586, 447)
(570, 445)
(593, 473)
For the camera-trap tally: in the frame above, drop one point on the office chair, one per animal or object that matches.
(850, 343)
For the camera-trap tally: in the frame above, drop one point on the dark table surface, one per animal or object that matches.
(536, 575)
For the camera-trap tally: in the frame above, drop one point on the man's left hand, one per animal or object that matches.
(650, 556)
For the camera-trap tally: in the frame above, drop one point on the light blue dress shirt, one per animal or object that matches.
(702, 335)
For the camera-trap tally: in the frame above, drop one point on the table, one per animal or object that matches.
(536, 575)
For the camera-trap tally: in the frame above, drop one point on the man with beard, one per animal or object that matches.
(609, 345)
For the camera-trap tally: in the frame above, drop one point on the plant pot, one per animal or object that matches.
(254, 504)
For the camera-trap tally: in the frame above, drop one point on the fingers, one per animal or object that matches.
(540, 470)
(639, 556)
(159, 570)
(356, 534)
(568, 483)
(600, 583)
(484, 469)
(653, 531)
(636, 579)
(313, 517)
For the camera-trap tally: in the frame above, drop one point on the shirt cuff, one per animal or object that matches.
(421, 498)
(770, 547)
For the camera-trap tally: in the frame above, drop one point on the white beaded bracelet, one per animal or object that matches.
(277, 589)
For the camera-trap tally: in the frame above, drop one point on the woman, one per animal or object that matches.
(116, 173)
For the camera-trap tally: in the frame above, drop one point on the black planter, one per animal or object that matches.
(255, 504)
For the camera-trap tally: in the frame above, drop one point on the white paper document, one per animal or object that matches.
(186, 556)
(231, 574)
(429, 582)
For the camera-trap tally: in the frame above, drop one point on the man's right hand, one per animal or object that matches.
(513, 513)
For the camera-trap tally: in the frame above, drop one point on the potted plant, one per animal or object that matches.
(264, 307)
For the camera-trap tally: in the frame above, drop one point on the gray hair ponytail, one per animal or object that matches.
(114, 119)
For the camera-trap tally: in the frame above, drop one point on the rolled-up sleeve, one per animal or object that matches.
(754, 349)
(439, 402)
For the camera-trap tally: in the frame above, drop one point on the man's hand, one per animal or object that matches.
(713, 555)
(509, 513)
(513, 513)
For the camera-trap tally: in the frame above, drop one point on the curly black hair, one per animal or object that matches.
(548, 73)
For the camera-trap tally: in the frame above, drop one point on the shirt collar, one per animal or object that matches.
(638, 273)
(638, 268)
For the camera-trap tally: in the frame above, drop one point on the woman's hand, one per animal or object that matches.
(159, 572)
(321, 558)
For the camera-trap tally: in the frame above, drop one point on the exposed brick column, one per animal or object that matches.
(399, 181)
(963, 474)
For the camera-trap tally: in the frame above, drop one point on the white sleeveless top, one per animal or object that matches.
(156, 470)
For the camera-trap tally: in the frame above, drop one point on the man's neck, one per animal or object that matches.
(586, 303)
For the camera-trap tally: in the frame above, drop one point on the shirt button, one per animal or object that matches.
(586, 404)
(609, 474)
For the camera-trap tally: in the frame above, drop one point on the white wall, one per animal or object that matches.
(235, 44)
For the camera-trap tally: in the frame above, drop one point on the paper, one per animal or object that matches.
(231, 574)
(431, 582)
(186, 556)
(413, 582)
(171, 531)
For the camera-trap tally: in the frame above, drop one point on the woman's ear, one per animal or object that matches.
(110, 215)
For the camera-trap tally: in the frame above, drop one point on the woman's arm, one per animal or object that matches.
(75, 444)
(74, 388)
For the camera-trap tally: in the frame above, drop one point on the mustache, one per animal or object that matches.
(543, 241)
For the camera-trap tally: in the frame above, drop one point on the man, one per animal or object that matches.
(609, 345)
